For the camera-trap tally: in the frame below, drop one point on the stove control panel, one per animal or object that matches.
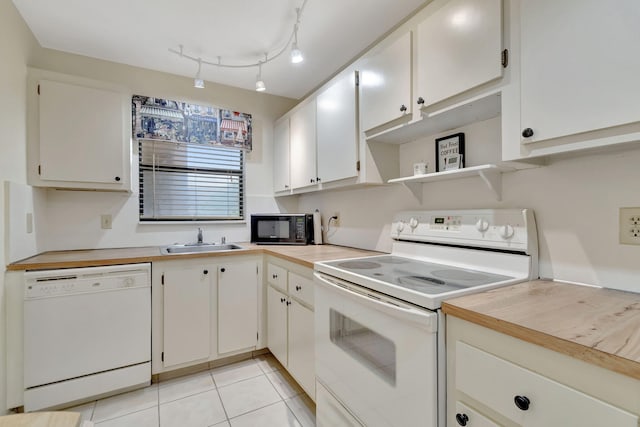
(510, 229)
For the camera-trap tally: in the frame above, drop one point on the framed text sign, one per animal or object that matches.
(450, 152)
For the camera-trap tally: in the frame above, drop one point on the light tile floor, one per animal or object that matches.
(255, 392)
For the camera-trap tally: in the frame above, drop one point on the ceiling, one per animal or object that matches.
(141, 32)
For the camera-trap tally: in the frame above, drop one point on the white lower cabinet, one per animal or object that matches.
(277, 323)
(204, 309)
(302, 346)
(186, 313)
(290, 323)
(237, 306)
(487, 389)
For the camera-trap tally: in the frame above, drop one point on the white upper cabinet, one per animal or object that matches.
(459, 48)
(579, 73)
(385, 85)
(337, 133)
(281, 155)
(303, 145)
(79, 134)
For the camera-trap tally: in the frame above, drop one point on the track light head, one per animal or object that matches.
(296, 54)
(198, 82)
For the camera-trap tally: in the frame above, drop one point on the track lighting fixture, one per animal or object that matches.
(198, 82)
(260, 86)
(296, 56)
(296, 53)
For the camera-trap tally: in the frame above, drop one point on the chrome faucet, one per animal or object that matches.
(200, 236)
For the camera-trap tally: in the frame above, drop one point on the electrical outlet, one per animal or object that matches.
(105, 221)
(336, 221)
(630, 226)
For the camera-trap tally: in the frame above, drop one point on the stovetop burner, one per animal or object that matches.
(419, 276)
(359, 265)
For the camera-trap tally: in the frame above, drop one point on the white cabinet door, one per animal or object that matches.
(385, 84)
(337, 144)
(303, 146)
(302, 346)
(186, 314)
(82, 135)
(281, 155)
(237, 306)
(459, 48)
(580, 66)
(277, 324)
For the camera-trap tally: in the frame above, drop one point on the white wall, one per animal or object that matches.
(17, 45)
(575, 200)
(71, 219)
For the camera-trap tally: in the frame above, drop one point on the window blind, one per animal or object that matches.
(190, 182)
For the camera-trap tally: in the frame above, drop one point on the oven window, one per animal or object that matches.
(273, 229)
(375, 352)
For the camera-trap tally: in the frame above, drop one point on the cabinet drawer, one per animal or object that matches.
(543, 402)
(301, 288)
(465, 416)
(277, 276)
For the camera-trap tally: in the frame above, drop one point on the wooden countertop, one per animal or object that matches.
(41, 419)
(304, 255)
(598, 326)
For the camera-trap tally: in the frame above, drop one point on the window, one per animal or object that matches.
(190, 182)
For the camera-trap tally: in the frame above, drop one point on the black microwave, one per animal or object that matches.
(282, 229)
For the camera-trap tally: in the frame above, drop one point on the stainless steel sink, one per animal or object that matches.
(198, 248)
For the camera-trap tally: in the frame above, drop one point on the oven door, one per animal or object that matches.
(376, 355)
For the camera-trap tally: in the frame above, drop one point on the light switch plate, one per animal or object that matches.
(105, 221)
(629, 226)
(29, 222)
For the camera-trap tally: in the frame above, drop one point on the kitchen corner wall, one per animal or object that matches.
(575, 199)
(71, 219)
(17, 45)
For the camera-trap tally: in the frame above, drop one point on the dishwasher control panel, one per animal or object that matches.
(51, 283)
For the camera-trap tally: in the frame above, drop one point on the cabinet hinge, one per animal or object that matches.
(162, 279)
(38, 89)
(505, 58)
(257, 335)
(358, 165)
(162, 356)
(357, 79)
(39, 169)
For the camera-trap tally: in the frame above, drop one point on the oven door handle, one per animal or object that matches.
(422, 318)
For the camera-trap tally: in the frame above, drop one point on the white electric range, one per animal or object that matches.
(379, 329)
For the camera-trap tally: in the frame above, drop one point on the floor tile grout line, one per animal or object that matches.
(292, 412)
(191, 394)
(239, 381)
(288, 383)
(223, 408)
(125, 415)
(158, 407)
(262, 407)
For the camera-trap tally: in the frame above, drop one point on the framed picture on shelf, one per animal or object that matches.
(450, 152)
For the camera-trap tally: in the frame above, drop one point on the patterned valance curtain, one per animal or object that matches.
(168, 120)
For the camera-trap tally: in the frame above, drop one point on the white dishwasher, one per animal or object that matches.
(87, 332)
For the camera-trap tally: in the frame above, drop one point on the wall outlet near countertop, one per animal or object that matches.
(336, 218)
(105, 221)
(629, 226)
